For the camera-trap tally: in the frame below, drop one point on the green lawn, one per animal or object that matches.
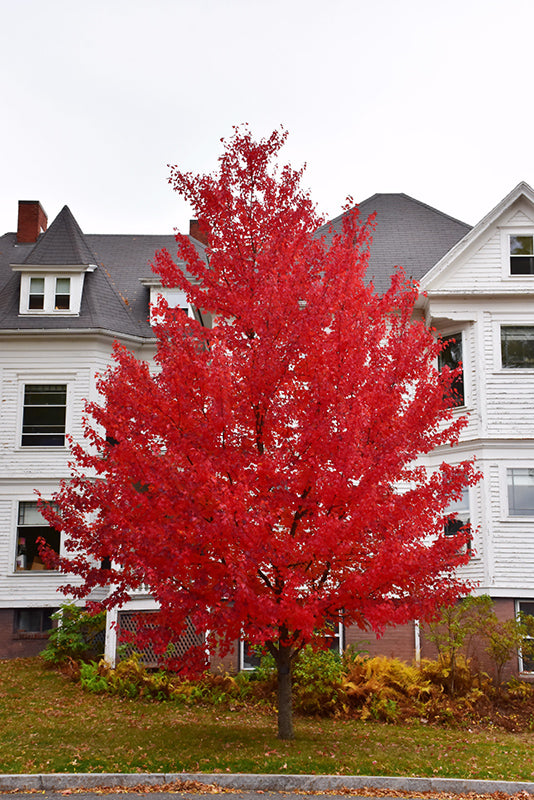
(48, 724)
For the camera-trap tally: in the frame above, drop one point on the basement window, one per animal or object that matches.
(33, 622)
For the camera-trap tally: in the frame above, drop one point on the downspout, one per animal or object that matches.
(417, 640)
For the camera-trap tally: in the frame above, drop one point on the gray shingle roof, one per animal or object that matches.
(408, 233)
(63, 243)
(114, 298)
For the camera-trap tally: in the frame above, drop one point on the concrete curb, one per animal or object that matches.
(262, 782)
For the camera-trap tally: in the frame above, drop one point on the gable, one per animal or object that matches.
(484, 261)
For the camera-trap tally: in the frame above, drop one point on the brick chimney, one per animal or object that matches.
(32, 220)
(196, 233)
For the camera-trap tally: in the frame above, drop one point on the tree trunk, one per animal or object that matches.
(285, 701)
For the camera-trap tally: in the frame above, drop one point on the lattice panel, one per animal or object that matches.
(128, 624)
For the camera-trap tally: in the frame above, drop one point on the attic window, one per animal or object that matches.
(50, 294)
(36, 294)
(62, 294)
(521, 255)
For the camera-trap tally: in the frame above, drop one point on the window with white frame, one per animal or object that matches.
(32, 527)
(520, 482)
(517, 346)
(460, 515)
(451, 357)
(526, 659)
(51, 293)
(36, 294)
(46, 294)
(521, 254)
(62, 294)
(44, 415)
(175, 298)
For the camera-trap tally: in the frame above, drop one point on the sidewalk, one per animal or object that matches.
(263, 783)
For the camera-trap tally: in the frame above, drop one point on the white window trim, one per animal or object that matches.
(522, 671)
(507, 320)
(505, 507)
(25, 378)
(176, 298)
(510, 323)
(21, 574)
(506, 233)
(460, 330)
(49, 310)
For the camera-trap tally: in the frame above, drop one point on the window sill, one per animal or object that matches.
(19, 572)
(58, 313)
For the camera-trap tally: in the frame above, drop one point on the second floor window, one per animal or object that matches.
(44, 415)
(517, 346)
(451, 357)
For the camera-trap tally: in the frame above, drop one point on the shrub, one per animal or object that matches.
(317, 677)
(78, 635)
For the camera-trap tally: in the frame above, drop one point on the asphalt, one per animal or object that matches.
(59, 782)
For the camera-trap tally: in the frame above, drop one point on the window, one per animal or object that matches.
(32, 527)
(50, 294)
(520, 492)
(526, 659)
(62, 299)
(251, 655)
(517, 346)
(43, 421)
(460, 509)
(521, 255)
(451, 357)
(36, 294)
(34, 621)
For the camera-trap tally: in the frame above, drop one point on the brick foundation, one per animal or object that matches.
(18, 645)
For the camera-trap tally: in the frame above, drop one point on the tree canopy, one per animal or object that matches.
(263, 480)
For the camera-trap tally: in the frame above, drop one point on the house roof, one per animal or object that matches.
(114, 299)
(63, 243)
(408, 233)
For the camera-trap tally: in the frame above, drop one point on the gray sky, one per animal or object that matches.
(423, 97)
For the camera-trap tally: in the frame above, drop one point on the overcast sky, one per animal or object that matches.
(429, 98)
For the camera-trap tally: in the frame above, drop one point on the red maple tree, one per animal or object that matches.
(263, 481)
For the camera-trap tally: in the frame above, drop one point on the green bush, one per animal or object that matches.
(78, 635)
(317, 676)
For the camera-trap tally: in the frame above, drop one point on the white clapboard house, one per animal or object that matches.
(66, 296)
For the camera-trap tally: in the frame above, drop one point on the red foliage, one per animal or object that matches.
(265, 479)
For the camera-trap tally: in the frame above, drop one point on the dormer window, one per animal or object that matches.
(521, 254)
(175, 298)
(48, 294)
(62, 294)
(36, 294)
(40, 294)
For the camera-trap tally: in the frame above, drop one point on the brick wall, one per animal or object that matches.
(18, 645)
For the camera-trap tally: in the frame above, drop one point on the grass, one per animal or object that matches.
(48, 724)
